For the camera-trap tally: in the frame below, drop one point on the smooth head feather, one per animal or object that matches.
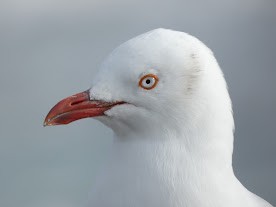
(173, 144)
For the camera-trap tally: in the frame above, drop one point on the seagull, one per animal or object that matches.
(165, 97)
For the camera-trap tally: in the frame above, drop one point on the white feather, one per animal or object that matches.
(173, 144)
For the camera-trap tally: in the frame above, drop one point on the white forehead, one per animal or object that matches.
(161, 48)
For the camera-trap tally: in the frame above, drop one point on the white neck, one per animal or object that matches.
(167, 172)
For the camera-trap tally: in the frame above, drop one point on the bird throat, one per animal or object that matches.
(162, 172)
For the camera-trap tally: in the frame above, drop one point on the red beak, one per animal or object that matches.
(77, 107)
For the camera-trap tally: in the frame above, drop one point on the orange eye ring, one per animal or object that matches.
(148, 81)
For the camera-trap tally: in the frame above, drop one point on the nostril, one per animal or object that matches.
(75, 102)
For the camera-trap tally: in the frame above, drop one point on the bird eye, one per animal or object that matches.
(148, 81)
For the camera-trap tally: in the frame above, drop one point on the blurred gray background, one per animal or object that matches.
(50, 49)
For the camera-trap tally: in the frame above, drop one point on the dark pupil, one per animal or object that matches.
(148, 81)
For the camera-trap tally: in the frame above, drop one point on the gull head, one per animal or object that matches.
(159, 82)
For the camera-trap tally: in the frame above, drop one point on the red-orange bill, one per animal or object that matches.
(77, 107)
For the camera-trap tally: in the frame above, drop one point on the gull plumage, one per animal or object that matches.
(173, 144)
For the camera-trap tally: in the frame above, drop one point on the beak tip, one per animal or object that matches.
(47, 123)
